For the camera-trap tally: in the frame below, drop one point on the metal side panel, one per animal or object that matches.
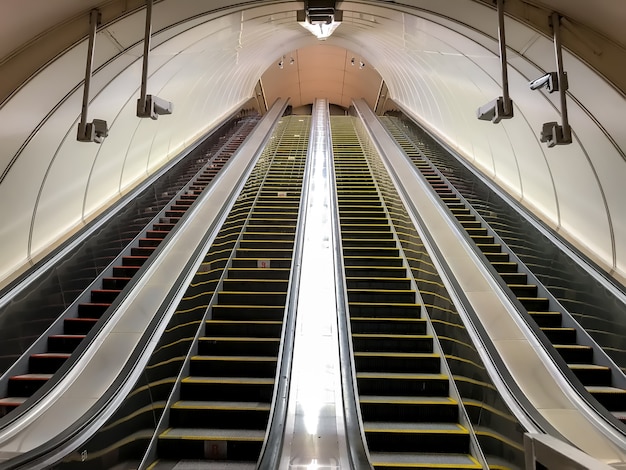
(100, 366)
(529, 365)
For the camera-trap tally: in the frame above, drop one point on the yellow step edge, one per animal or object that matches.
(460, 430)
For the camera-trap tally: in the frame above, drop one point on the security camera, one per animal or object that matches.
(153, 107)
(94, 131)
(550, 81)
(553, 134)
(494, 111)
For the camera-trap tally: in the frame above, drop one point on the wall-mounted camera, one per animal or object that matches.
(549, 81)
(495, 111)
(552, 134)
(153, 107)
(94, 131)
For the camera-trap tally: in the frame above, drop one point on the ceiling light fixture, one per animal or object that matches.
(320, 17)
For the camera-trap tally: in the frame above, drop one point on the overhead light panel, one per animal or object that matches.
(320, 17)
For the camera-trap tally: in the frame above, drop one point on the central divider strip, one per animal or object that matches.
(315, 430)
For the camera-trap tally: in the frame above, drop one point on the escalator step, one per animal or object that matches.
(397, 384)
(411, 326)
(64, 343)
(560, 335)
(222, 415)
(8, 404)
(381, 295)
(409, 409)
(266, 245)
(255, 285)
(259, 329)
(546, 319)
(534, 303)
(154, 242)
(125, 271)
(219, 444)
(524, 290)
(233, 366)
(592, 374)
(350, 261)
(115, 282)
(612, 398)
(385, 310)
(262, 262)
(92, 310)
(78, 326)
(501, 258)
(248, 312)
(259, 273)
(392, 343)
(142, 251)
(248, 389)
(104, 295)
(417, 437)
(575, 353)
(263, 254)
(396, 362)
(375, 271)
(46, 363)
(229, 346)
(133, 260)
(514, 278)
(489, 247)
(251, 298)
(378, 283)
(412, 461)
(27, 384)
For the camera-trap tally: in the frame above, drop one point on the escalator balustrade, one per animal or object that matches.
(409, 418)
(44, 364)
(597, 379)
(223, 410)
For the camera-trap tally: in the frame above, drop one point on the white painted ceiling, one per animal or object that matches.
(439, 60)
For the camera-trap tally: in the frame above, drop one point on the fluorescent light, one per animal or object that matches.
(321, 31)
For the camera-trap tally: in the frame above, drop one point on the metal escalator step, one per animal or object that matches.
(382, 295)
(407, 461)
(514, 278)
(535, 303)
(392, 343)
(546, 319)
(26, 384)
(409, 409)
(592, 374)
(416, 437)
(221, 414)
(610, 397)
(229, 345)
(560, 335)
(259, 273)
(240, 328)
(221, 444)
(402, 384)
(413, 326)
(489, 247)
(46, 363)
(523, 290)
(575, 353)
(398, 362)
(251, 298)
(262, 262)
(255, 285)
(371, 283)
(251, 389)
(248, 312)
(375, 271)
(263, 254)
(233, 366)
(350, 261)
(385, 309)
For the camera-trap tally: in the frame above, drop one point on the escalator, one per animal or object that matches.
(52, 351)
(410, 417)
(597, 374)
(223, 404)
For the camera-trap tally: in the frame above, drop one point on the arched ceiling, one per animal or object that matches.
(438, 59)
